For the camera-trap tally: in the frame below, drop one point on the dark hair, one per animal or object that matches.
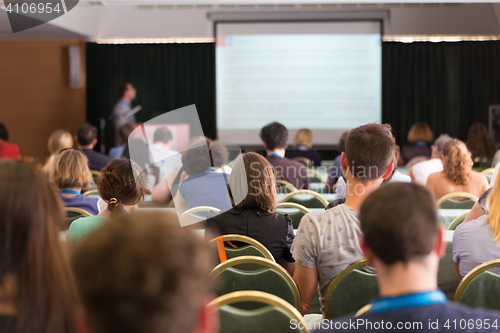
(142, 273)
(479, 142)
(122, 88)
(199, 158)
(369, 150)
(86, 134)
(399, 222)
(4, 134)
(31, 250)
(162, 134)
(117, 181)
(342, 141)
(275, 135)
(125, 131)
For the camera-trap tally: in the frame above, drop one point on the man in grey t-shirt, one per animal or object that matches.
(327, 242)
(127, 93)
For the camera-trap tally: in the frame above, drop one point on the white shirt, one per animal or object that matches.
(421, 171)
(166, 159)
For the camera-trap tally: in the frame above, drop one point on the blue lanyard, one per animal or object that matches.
(302, 146)
(210, 169)
(421, 143)
(70, 192)
(275, 154)
(408, 301)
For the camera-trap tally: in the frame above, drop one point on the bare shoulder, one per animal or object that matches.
(433, 177)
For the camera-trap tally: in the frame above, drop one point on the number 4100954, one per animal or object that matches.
(33, 8)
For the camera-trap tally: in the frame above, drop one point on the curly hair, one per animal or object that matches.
(457, 165)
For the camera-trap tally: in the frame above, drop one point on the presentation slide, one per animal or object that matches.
(325, 76)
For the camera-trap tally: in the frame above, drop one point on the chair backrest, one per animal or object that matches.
(276, 315)
(294, 210)
(306, 198)
(304, 160)
(457, 221)
(447, 201)
(488, 173)
(282, 186)
(196, 216)
(79, 213)
(91, 193)
(252, 247)
(480, 288)
(350, 291)
(315, 176)
(95, 175)
(270, 278)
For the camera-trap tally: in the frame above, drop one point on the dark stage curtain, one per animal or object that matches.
(166, 76)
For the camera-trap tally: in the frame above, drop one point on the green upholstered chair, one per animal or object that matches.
(447, 201)
(246, 246)
(304, 160)
(457, 221)
(282, 186)
(315, 176)
(273, 316)
(306, 198)
(296, 213)
(91, 193)
(350, 291)
(270, 278)
(79, 211)
(488, 173)
(480, 287)
(196, 216)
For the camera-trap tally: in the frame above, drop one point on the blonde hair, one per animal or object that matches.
(303, 137)
(420, 132)
(493, 216)
(71, 170)
(458, 164)
(58, 141)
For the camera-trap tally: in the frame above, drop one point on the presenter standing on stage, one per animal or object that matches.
(126, 92)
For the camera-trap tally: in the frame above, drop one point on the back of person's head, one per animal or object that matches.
(457, 162)
(204, 155)
(493, 208)
(440, 142)
(70, 170)
(369, 150)
(142, 273)
(342, 141)
(58, 141)
(399, 222)
(479, 141)
(303, 137)
(86, 134)
(125, 131)
(118, 187)
(275, 135)
(420, 132)
(252, 183)
(31, 253)
(4, 133)
(122, 88)
(163, 135)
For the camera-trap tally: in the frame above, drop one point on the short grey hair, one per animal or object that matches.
(441, 141)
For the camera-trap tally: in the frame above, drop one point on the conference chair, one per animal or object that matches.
(480, 287)
(270, 278)
(315, 176)
(276, 315)
(196, 216)
(457, 221)
(296, 214)
(488, 173)
(91, 193)
(240, 245)
(282, 186)
(447, 201)
(350, 291)
(306, 198)
(304, 160)
(79, 211)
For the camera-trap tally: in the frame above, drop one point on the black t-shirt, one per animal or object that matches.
(441, 317)
(8, 324)
(273, 230)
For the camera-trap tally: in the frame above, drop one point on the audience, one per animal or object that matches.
(252, 190)
(7, 149)
(303, 143)
(419, 136)
(121, 192)
(275, 137)
(167, 159)
(327, 242)
(142, 273)
(36, 284)
(421, 171)
(58, 141)
(457, 174)
(336, 170)
(70, 173)
(403, 241)
(86, 139)
(479, 143)
(137, 151)
(124, 132)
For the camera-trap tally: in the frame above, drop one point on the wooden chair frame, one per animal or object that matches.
(91, 192)
(199, 209)
(315, 194)
(249, 241)
(304, 160)
(454, 195)
(303, 209)
(286, 184)
(472, 275)
(453, 225)
(489, 170)
(317, 174)
(80, 211)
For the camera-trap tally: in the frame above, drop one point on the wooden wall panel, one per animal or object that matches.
(35, 97)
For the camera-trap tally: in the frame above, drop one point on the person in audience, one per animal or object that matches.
(303, 143)
(419, 136)
(479, 143)
(121, 116)
(167, 159)
(7, 149)
(204, 186)
(36, 284)
(119, 189)
(336, 170)
(421, 171)
(124, 133)
(252, 190)
(327, 242)
(58, 141)
(70, 173)
(457, 174)
(274, 137)
(403, 241)
(142, 273)
(137, 151)
(86, 139)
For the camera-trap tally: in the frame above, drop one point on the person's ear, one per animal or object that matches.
(366, 250)
(440, 246)
(94, 142)
(389, 171)
(343, 162)
(208, 319)
(81, 324)
(265, 146)
(75, 139)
